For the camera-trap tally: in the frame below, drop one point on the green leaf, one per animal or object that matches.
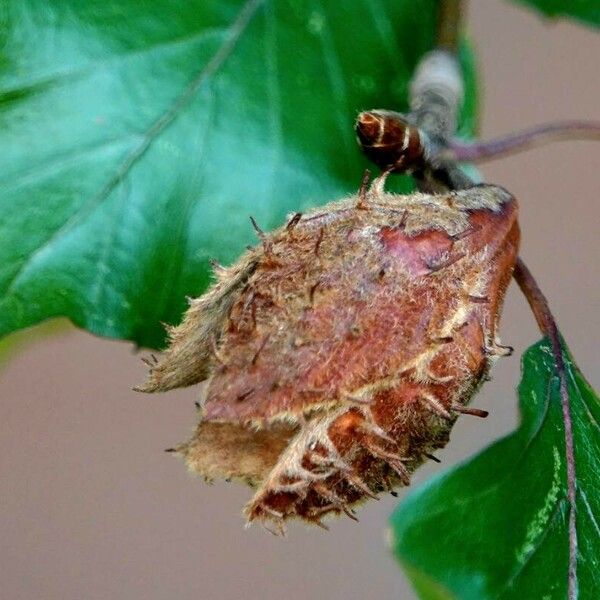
(138, 137)
(496, 526)
(586, 11)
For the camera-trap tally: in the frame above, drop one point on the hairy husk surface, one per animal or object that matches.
(337, 354)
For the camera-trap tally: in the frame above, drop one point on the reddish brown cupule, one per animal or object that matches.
(337, 354)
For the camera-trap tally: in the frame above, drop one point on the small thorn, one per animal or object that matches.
(388, 484)
(260, 349)
(478, 299)
(259, 232)
(348, 512)
(436, 378)
(146, 360)
(432, 457)
(357, 397)
(498, 350)
(324, 491)
(318, 391)
(329, 461)
(319, 240)
(292, 488)
(466, 233)
(434, 267)
(362, 192)
(216, 265)
(170, 449)
(197, 405)
(403, 220)
(378, 185)
(320, 524)
(253, 310)
(371, 428)
(381, 453)
(279, 532)
(241, 397)
(318, 459)
(311, 292)
(272, 512)
(358, 483)
(321, 510)
(465, 410)
(435, 405)
(336, 501)
(402, 472)
(398, 166)
(393, 460)
(150, 360)
(293, 221)
(393, 493)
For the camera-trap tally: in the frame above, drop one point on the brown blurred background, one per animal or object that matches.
(92, 508)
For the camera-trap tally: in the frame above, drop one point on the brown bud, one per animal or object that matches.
(390, 141)
(338, 353)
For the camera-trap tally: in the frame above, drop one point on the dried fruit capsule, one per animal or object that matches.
(337, 354)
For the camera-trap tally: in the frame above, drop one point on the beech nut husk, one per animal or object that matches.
(337, 354)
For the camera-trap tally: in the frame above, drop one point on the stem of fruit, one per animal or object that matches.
(549, 328)
(435, 99)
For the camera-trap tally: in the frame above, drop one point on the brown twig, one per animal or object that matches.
(519, 141)
(449, 18)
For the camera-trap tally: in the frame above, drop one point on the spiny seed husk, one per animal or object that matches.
(338, 352)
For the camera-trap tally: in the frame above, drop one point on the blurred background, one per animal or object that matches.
(91, 506)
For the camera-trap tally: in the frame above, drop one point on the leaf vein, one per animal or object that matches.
(589, 511)
(235, 32)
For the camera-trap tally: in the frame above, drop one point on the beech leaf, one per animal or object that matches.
(497, 525)
(585, 11)
(138, 137)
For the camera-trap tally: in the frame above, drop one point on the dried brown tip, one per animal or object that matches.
(294, 220)
(362, 192)
(467, 410)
